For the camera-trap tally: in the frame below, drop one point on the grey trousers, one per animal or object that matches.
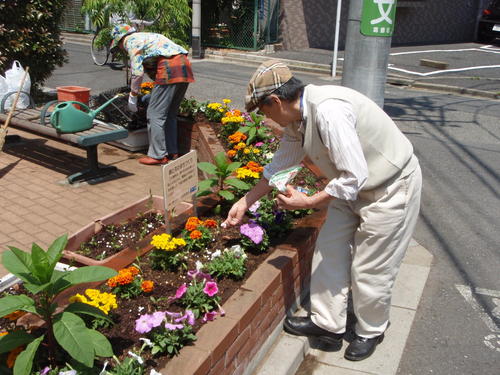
(360, 247)
(162, 119)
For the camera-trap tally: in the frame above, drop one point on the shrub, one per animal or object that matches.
(29, 32)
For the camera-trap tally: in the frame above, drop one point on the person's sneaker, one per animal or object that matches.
(362, 347)
(152, 161)
(303, 326)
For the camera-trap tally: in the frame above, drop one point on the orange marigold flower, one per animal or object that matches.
(14, 315)
(209, 223)
(195, 234)
(237, 137)
(147, 286)
(231, 153)
(11, 359)
(133, 270)
(124, 278)
(3, 333)
(112, 283)
(192, 223)
(254, 167)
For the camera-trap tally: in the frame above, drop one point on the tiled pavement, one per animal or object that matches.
(37, 205)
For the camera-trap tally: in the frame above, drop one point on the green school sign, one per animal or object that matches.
(378, 17)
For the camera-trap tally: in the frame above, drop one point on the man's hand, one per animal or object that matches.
(235, 215)
(132, 103)
(293, 199)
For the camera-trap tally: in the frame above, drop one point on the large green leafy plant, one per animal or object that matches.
(64, 326)
(221, 177)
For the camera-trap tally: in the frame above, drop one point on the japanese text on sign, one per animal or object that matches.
(180, 180)
(377, 17)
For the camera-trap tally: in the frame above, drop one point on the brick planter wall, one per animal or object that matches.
(228, 344)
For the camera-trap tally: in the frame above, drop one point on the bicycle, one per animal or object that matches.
(101, 53)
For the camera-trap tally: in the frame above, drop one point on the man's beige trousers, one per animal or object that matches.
(361, 246)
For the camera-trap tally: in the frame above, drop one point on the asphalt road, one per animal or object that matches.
(457, 139)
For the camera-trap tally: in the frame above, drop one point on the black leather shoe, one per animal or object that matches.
(303, 326)
(362, 347)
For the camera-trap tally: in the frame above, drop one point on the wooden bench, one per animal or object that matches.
(29, 119)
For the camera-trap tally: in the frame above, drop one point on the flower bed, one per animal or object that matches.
(253, 307)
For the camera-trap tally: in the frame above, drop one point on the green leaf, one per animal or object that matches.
(24, 361)
(207, 184)
(72, 334)
(207, 167)
(54, 252)
(10, 304)
(41, 264)
(244, 129)
(14, 339)
(84, 308)
(203, 193)
(233, 166)
(89, 274)
(19, 263)
(221, 160)
(36, 288)
(251, 135)
(237, 183)
(227, 195)
(102, 347)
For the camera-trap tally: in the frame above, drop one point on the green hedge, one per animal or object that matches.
(29, 32)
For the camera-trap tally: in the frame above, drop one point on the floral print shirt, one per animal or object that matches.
(141, 46)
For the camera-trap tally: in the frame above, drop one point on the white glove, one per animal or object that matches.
(132, 103)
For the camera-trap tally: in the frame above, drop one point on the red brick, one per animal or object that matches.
(190, 361)
(243, 305)
(217, 337)
(237, 345)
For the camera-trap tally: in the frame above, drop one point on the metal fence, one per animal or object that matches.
(239, 24)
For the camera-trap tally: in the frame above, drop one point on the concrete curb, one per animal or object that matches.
(288, 352)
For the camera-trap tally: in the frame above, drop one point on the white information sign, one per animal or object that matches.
(180, 181)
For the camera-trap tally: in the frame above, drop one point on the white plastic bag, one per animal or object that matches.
(14, 77)
(3, 87)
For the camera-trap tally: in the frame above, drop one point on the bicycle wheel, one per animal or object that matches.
(100, 54)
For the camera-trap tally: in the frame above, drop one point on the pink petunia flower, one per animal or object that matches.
(258, 144)
(173, 327)
(142, 324)
(210, 288)
(181, 291)
(209, 316)
(156, 319)
(189, 315)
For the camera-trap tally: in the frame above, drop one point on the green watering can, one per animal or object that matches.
(66, 118)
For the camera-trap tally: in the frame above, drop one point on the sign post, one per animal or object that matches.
(180, 184)
(370, 27)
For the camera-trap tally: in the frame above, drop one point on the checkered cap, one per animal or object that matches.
(268, 77)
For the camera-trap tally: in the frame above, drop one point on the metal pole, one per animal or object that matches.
(196, 30)
(336, 44)
(365, 58)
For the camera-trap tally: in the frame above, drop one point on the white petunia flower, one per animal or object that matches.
(199, 265)
(146, 341)
(136, 357)
(216, 253)
(154, 372)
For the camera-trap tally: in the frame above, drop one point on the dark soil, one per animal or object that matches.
(111, 239)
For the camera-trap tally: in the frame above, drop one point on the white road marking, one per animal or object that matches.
(488, 49)
(492, 340)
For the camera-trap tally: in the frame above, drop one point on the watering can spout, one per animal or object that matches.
(108, 102)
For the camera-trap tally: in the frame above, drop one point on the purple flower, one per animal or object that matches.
(142, 324)
(173, 314)
(253, 231)
(189, 315)
(45, 370)
(179, 293)
(210, 288)
(156, 319)
(209, 316)
(173, 327)
(254, 207)
(198, 275)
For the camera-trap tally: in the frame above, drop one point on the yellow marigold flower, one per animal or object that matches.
(226, 101)
(214, 105)
(240, 146)
(246, 150)
(255, 150)
(78, 298)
